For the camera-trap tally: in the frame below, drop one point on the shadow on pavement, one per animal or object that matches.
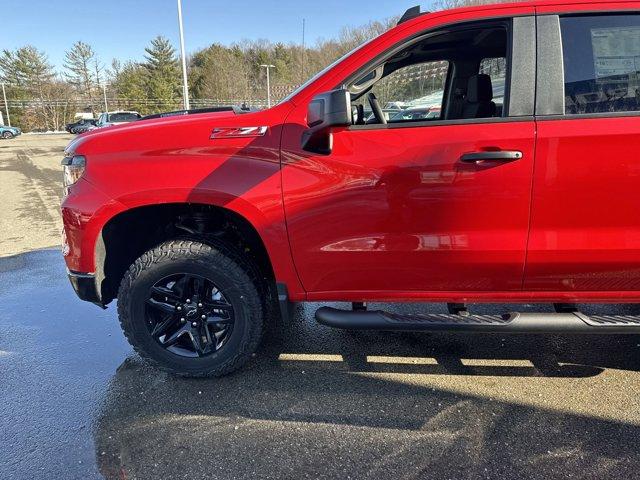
(319, 403)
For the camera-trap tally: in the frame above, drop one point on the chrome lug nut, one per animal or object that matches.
(199, 305)
(188, 300)
(182, 320)
(194, 324)
(178, 308)
(204, 317)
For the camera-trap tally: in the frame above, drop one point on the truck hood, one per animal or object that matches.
(144, 122)
(173, 132)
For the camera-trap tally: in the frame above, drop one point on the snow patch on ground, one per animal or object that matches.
(49, 132)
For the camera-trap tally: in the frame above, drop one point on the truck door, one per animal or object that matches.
(437, 198)
(585, 232)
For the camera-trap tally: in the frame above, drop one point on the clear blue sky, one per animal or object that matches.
(122, 28)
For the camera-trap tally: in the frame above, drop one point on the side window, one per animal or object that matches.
(601, 63)
(455, 74)
(496, 68)
(414, 92)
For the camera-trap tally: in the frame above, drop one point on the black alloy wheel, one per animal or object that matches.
(189, 315)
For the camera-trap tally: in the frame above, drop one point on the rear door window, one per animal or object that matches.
(601, 63)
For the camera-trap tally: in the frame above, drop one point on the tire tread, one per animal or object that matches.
(228, 259)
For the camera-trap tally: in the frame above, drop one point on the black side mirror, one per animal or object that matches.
(326, 110)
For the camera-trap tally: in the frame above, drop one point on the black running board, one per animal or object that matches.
(574, 322)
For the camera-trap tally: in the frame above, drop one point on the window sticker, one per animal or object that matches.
(616, 51)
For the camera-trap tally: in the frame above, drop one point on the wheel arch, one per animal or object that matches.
(129, 233)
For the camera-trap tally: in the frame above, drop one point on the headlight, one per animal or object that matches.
(72, 169)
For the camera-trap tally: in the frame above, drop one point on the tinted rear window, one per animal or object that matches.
(123, 117)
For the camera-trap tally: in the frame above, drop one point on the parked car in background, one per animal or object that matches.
(395, 106)
(389, 113)
(413, 113)
(85, 127)
(9, 132)
(81, 125)
(117, 118)
(416, 113)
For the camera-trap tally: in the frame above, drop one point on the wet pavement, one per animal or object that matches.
(76, 403)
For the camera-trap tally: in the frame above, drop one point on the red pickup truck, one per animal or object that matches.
(524, 187)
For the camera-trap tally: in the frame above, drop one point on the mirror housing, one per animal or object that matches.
(326, 110)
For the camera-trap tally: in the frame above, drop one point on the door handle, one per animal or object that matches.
(500, 155)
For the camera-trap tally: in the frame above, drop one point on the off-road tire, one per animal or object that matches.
(7, 135)
(231, 272)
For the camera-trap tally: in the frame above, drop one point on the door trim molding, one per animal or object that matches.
(550, 67)
(522, 64)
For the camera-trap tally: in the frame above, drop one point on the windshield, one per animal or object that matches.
(323, 71)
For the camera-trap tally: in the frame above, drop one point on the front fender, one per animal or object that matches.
(83, 229)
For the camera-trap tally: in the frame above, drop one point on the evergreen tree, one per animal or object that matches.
(26, 67)
(163, 73)
(31, 77)
(130, 84)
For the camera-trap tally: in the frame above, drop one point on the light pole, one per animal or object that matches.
(104, 94)
(6, 105)
(185, 88)
(268, 66)
(303, 50)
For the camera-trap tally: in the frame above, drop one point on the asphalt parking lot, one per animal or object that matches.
(76, 402)
(30, 192)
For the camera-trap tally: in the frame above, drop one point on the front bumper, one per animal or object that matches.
(85, 287)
